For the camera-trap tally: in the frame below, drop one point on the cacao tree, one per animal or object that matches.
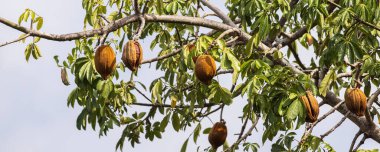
(208, 59)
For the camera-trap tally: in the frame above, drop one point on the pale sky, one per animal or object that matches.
(33, 112)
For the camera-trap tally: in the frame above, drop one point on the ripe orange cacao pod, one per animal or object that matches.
(311, 106)
(356, 101)
(132, 55)
(105, 61)
(218, 134)
(205, 68)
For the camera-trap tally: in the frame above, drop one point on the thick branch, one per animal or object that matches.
(371, 130)
(219, 12)
(122, 22)
(373, 98)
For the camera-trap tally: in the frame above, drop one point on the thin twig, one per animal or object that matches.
(336, 126)
(121, 7)
(105, 18)
(228, 32)
(162, 57)
(357, 18)
(14, 41)
(243, 127)
(211, 112)
(140, 29)
(177, 106)
(295, 54)
(327, 113)
(361, 142)
(248, 133)
(354, 140)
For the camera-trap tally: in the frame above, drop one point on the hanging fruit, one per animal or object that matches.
(205, 69)
(218, 134)
(105, 61)
(311, 106)
(132, 55)
(356, 101)
(64, 77)
(309, 39)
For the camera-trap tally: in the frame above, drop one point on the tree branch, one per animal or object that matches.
(248, 133)
(354, 140)
(371, 130)
(373, 98)
(219, 12)
(336, 126)
(122, 22)
(328, 113)
(177, 106)
(295, 54)
(360, 143)
(356, 17)
(14, 41)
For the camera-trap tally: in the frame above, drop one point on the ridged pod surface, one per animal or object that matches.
(217, 135)
(132, 55)
(311, 106)
(105, 61)
(205, 68)
(356, 101)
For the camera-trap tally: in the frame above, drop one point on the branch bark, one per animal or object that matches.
(219, 13)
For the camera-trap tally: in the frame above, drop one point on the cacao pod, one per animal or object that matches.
(64, 77)
(205, 68)
(356, 101)
(311, 106)
(218, 134)
(309, 39)
(105, 61)
(132, 55)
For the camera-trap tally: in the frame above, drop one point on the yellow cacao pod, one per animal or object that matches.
(105, 61)
(309, 39)
(218, 134)
(311, 106)
(356, 101)
(205, 68)
(132, 55)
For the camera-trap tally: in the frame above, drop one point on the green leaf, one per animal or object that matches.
(184, 146)
(72, 96)
(164, 122)
(21, 18)
(159, 6)
(83, 70)
(326, 82)
(206, 131)
(197, 130)
(105, 88)
(175, 122)
(28, 52)
(157, 92)
(295, 109)
(40, 22)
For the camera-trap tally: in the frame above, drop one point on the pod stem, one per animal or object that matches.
(357, 76)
